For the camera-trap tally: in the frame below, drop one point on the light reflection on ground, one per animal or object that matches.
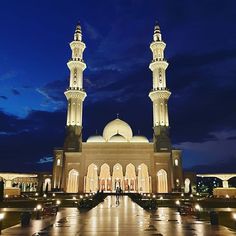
(127, 218)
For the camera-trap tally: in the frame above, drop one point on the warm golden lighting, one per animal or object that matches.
(177, 202)
(2, 216)
(58, 202)
(197, 207)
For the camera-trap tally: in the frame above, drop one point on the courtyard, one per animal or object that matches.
(119, 218)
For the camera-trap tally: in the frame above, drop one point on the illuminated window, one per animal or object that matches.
(58, 162)
(176, 162)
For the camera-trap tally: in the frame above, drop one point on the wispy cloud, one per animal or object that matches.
(91, 31)
(8, 75)
(3, 97)
(45, 160)
(15, 91)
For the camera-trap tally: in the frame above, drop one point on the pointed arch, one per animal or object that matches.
(143, 179)
(105, 178)
(117, 176)
(162, 182)
(187, 185)
(73, 181)
(130, 178)
(92, 178)
(47, 182)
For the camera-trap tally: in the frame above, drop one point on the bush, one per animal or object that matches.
(90, 202)
(147, 204)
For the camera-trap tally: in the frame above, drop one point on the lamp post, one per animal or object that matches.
(38, 209)
(234, 217)
(1, 219)
(197, 209)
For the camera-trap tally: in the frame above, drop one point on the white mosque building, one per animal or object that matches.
(117, 157)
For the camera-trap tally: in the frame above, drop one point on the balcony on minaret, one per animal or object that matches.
(158, 59)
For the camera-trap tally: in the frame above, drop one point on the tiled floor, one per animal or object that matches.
(126, 218)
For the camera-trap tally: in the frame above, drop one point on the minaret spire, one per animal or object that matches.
(157, 33)
(159, 94)
(75, 94)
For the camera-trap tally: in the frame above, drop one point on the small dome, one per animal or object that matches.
(95, 139)
(117, 139)
(115, 127)
(139, 139)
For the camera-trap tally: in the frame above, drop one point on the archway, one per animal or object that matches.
(187, 185)
(92, 179)
(105, 178)
(143, 179)
(162, 183)
(117, 177)
(73, 181)
(130, 178)
(47, 181)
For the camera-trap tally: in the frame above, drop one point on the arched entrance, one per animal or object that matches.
(130, 178)
(187, 185)
(162, 183)
(105, 178)
(117, 177)
(73, 181)
(47, 182)
(92, 179)
(143, 179)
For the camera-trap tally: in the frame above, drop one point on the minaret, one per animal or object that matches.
(75, 94)
(159, 93)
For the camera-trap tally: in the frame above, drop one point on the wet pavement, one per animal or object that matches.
(126, 218)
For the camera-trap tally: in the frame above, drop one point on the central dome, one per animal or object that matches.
(117, 127)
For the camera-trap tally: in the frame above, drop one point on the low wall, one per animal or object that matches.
(223, 192)
(11, 192)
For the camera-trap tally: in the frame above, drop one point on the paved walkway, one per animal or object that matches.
(127, 218)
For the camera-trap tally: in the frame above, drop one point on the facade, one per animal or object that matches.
(16, 183)
(117, 158)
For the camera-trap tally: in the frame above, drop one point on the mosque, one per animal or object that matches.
(117, 158)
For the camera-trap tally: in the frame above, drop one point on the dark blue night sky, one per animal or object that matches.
(201, 50)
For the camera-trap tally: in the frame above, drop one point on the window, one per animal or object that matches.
(176, 162)
(58, 162)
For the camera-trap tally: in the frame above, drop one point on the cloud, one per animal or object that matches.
(45, 160)
(27, 140)
(8, 75)
(15, 92)
(220, 166)
(3, 97)
(91, 31)
(53, 92)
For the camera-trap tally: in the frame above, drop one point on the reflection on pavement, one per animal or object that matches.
(124, 217)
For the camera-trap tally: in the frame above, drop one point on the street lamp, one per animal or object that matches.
(177, 202)
(38, 209)
(197, 207)
(234, 217)
(58, 202)
(1, 219)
